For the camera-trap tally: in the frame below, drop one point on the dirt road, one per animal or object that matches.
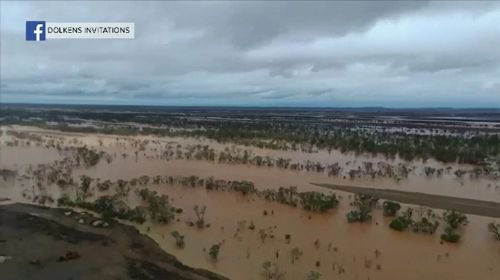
(464, 205)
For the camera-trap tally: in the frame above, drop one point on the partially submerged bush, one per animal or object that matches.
(313, 275)
(272, 271)
(450, 235)
(426, 224)
(179, 239)
(200, 215)
(318, 202)
(454, 220)
(391, 208)
(89, 156)
(159, 207)
(214, 251)
(400, 223)
(364, 205)
(495, 229)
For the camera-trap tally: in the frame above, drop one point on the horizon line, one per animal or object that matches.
(252, 106)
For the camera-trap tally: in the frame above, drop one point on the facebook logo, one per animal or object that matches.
(35, 31)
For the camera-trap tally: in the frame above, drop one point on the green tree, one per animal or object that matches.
(450, 235)
(391, 208)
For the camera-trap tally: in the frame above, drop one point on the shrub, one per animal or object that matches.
(400, 223)
(455, 219)
(495, 229)
(318, 202)
(179, 239)
(364, 205)
(391, 208)
(313, 275)
(272, 271)
(159, 207)
(88, 156)
(214, 251)
(361, 215)
(450, 235)
(200, 215)
(425, 226)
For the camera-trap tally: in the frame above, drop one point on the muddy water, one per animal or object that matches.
(402, 255)
(265, 177)
(17, 157)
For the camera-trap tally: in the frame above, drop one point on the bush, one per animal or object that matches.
(425, 226)
(214, 251)
(391, 208)
(364, 204)
(179, 239)
(450, 235)
(272, 271)
(353, 216)
(159, 207)
(361, 215)
(455, 219)
(400, 223)
(495, 229)
(318, 202)
(88, 156)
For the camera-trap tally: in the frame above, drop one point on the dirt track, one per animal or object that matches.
(464, 205)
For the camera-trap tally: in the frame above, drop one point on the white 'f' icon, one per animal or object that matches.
(38, 30)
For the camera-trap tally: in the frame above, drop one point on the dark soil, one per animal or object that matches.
(43, 243)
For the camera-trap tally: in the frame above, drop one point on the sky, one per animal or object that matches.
(250, 53)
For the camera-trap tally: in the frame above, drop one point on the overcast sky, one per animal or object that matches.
(395, 54)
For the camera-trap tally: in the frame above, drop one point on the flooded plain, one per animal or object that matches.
(328, 244)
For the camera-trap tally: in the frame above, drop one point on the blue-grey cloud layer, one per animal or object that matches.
(259, 53)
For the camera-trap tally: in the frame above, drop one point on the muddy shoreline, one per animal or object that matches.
(34, 241)
(464, 205)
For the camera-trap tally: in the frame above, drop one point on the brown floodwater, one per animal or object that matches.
(350, 247)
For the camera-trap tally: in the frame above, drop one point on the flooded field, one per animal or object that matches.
(252, 230)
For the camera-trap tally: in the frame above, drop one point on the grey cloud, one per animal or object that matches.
(240, 52)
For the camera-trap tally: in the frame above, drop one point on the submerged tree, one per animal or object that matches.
(364, 204)
(179, 239)
(84, 190)
(214, 251)
(495, 229)
(318, 202)
(391, 208)
(262, 235)
(200, 215)
(295, 253)
(271, 271)
(450, 235)
(426, 224)
(400, 223)
(159, 206)
(313, 275)
(454, 220)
